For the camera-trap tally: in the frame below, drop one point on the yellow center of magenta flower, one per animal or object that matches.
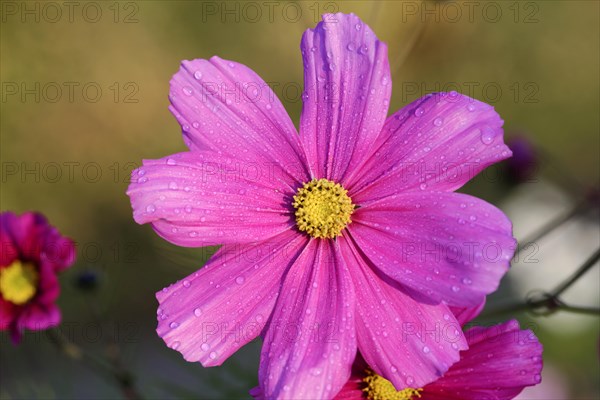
(323, 208)
(18, 282)
(379, 388)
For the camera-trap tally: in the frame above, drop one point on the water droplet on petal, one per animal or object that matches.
(198, 75)
(419, 111)
(197, 312)
(487, 135)
(350, 47)
(438, 122)
(205, 346)
(240, 280)
(173, 185)
(150, 208)
(212, 355)
(175, 345)
(173, 325)
(188, 91)
(187, 283)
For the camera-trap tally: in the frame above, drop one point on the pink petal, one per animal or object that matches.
(9, 249)
(7, 314)
(212, 313)
(202, 198)
(226, 107)
(29, 237)
(36, 316)
(500, 362)
(446, 246)
(347, 90)
(438, 142)
(407, 342)
(310, 342)
(466, 315)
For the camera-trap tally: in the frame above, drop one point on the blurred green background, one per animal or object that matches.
(68, 153)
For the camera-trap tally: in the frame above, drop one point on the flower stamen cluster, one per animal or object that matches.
(18, 282)
(379, 388)
(323, 208)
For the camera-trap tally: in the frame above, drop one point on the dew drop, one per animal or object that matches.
(197, 312)
(188, 91)
(419, 111)
(205, 346)
(198, 75)
(175, 345)
(240, 280)
(186, 283)
(212, 355)
(150, 208)
(350, 47)
(173, 325)
(438, 122)
(487, 135)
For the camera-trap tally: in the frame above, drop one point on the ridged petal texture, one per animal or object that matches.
(386, 286)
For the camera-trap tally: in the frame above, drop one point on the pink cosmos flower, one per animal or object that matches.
(345, 236)
(501, 361)
(33, 252)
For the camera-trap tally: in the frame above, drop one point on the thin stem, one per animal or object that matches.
(544, 303)
(99, 365)
(589, 263)
(581, 310)
(550, 227)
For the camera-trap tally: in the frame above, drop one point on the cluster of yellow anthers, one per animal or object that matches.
(323, 208)
(18, 282)
(379, 388)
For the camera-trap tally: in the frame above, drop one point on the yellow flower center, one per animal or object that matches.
(323, 208)
(379, 388)
(18, 282)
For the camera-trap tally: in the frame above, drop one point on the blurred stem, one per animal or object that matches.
(544, 303)
(550, 226)
(105, 369)
(589, 263)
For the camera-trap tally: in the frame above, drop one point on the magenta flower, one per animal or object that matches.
(501, 361)
(33, 253)
(345, 236)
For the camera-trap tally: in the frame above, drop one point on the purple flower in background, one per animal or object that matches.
(345, 236)
(501, 361)
(523, 165)
(32, 254)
